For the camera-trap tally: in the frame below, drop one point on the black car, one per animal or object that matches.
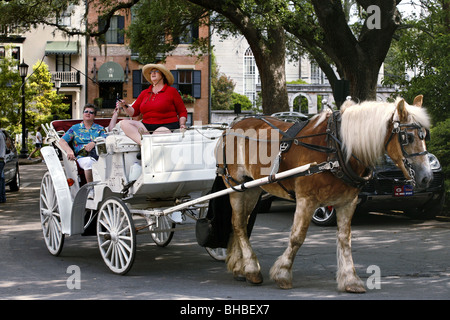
(387, 192)
(12, 176)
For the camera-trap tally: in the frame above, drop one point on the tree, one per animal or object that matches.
(41, 98)
(353, 52)
(424, 49)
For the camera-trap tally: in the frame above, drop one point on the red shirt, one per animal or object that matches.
(166, 106)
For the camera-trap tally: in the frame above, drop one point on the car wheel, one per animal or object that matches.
(14, 185)
(324, 216)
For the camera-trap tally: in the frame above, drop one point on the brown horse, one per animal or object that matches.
(364, 133)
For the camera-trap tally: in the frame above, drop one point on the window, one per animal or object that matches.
(15, 53)
(115, 33)
(190, 35)
(317, 75)
(2, 52)
(250, 75)
(65, 18)
(63, 63)
(188, 82)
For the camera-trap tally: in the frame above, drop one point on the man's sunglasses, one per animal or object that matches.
(90, 112)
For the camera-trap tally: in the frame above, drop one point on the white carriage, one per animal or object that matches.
(175, 168)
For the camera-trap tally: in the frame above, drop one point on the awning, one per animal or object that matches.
(61, 47)
(111, 72)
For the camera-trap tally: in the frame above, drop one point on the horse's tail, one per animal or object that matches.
(214, 230)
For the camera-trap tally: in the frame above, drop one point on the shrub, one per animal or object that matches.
(439, 145)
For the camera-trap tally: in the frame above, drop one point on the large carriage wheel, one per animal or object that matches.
(50, 216)
(162, 234)
(116, 235)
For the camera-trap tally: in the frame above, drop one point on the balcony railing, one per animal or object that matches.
(67, 77)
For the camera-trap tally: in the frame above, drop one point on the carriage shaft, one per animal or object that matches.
(242, 187)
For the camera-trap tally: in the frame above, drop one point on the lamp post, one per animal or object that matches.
(57, 84)
(23, 71)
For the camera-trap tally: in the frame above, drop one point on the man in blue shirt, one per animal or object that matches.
(82, 136)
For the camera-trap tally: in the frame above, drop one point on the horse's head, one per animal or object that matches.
(405, 142)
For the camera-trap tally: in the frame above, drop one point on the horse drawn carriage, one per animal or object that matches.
(174, 169)
(323, 161)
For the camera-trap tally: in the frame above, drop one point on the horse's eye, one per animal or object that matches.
(410, 137)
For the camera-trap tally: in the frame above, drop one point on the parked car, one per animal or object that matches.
(11, 170)
(387, 193)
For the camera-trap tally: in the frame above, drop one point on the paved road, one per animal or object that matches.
(412, 258)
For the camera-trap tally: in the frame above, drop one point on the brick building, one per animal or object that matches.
(116, 72)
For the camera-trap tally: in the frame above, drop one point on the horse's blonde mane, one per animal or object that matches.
(364, 127)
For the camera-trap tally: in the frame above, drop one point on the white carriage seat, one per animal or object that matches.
(120, 143)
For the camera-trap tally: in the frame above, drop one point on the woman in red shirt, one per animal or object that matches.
(160, 105)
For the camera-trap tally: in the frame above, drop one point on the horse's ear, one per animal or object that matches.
(402, 112)
(418, 101)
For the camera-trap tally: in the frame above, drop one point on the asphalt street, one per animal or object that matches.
(396, 257)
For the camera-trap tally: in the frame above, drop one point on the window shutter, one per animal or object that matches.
(197, 84)
(175, 76)
(137, 84)
(120, 29)
(194, 31)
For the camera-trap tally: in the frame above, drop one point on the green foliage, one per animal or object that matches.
(222, 89)
(41, 100)
(439, 145)
(241, 99)
(10, 93)
(424, 47)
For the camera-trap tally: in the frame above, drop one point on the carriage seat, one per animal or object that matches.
(61, 126)
(121, 143)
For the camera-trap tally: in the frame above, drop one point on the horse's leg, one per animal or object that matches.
(346, 277)
(241, 259)
(281, 271)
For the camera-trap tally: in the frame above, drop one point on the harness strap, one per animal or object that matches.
(344, 171)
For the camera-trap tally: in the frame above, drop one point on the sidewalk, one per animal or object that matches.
(27, 162)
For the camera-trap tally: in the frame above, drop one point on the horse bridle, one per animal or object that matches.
(405, 138)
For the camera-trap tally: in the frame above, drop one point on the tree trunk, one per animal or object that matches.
(272, 69)
(358, 59)
(269, 49)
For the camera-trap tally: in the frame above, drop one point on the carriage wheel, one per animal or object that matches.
(162, 238)
(219, 254)
(50, 216)
(116, 235)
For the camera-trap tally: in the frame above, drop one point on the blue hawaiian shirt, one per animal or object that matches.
(80, 136)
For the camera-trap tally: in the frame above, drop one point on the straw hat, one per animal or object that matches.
(149, 67)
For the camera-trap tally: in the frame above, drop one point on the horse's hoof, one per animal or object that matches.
(254, 279)
(239, 277)
(284, 284)
(355, 289)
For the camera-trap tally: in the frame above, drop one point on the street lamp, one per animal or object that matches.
(57, 84)
(23, 71)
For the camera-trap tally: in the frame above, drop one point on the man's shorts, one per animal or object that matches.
(86, 162)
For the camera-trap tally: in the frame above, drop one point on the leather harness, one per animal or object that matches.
(336, 163)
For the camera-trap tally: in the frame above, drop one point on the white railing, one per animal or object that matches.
(66, 76)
